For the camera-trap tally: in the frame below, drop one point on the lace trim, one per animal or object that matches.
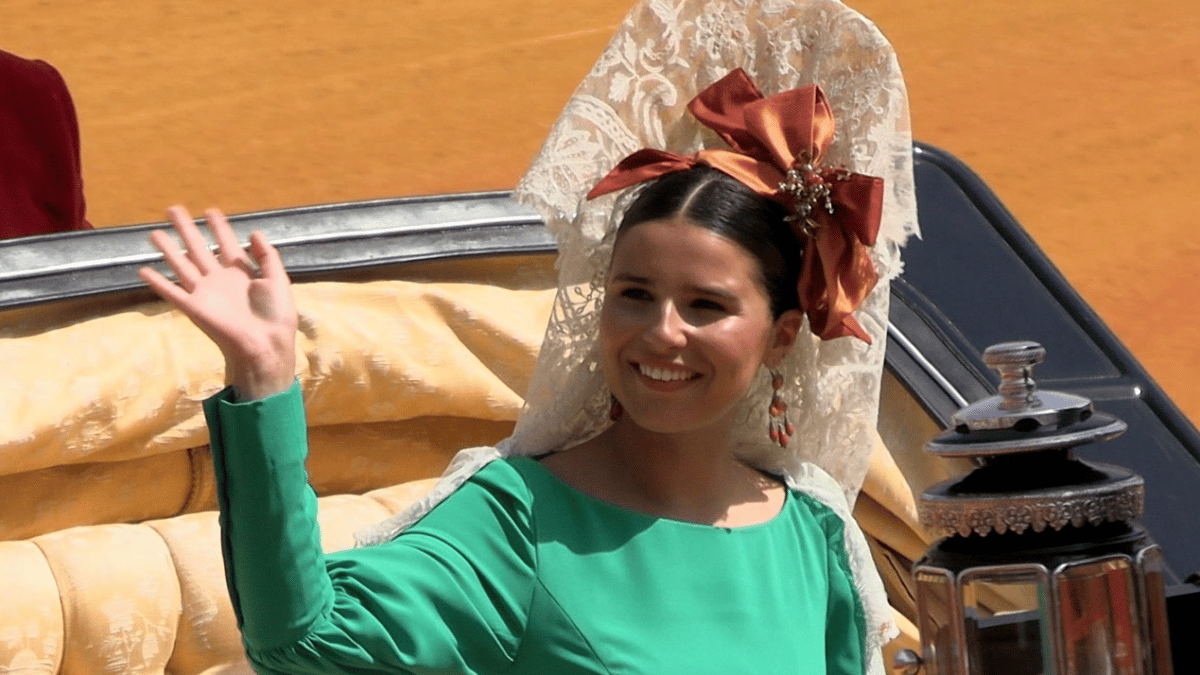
(881, 628)
(635, 97)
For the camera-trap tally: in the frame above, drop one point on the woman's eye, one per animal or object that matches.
(635, 293)
(708, 305)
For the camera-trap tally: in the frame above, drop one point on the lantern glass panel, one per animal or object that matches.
(1154, 578)
(939, 626)
(1100, 624)
(1007, 619)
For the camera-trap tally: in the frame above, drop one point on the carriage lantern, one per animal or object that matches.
(1042, 567)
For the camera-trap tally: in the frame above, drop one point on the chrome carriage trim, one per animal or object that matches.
(312, 240)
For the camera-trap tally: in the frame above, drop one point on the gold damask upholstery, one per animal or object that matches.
(102, 421)
(31, 623)
(141, 599)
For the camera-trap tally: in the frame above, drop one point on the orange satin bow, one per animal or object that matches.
(777, 147)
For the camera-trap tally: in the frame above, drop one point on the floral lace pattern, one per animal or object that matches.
(636, 95)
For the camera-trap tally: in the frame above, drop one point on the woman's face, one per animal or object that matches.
(686, 323)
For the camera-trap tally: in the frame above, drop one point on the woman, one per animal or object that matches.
(662, 541)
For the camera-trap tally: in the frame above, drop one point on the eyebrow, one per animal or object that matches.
(631, 278)
(715, 293)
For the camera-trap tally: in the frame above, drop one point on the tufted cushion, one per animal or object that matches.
(120, 598)
(142, 599)
(31, 618)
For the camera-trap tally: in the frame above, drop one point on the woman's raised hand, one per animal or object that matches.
(244, 306)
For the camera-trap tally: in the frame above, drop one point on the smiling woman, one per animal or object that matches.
(689, 309)
(566, 547)
(684, 307)
(685, 329)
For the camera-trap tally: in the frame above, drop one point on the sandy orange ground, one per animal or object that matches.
(1083, 115)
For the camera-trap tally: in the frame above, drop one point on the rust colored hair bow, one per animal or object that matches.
(777, 147)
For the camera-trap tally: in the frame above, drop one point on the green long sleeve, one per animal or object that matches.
(270, 539)
(419, 604)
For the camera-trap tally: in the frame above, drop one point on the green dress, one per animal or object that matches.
(516, 572)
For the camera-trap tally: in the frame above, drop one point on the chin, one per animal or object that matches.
(666, 421)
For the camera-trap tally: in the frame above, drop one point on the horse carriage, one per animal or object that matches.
(420, 323)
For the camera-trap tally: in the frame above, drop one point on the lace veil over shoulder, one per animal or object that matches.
(663, 54)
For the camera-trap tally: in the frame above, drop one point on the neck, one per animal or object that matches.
(693, 477)
(673, 471)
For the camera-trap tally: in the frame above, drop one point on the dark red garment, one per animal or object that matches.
(41, 181)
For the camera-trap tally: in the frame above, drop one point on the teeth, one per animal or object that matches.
(663, 374)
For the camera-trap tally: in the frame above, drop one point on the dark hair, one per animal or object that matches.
(719, 203)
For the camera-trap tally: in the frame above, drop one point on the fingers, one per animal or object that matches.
(269, 262)
(232, 253)
(163, 287)
(179, 263)
(199, 260)
(192, 266)
(197, 245)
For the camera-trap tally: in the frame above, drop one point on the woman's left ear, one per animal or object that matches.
(783, 336)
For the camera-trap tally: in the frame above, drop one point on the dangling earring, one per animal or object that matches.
(615, 410)
(778, 425)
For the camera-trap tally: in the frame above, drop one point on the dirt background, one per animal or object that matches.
(1083, 115)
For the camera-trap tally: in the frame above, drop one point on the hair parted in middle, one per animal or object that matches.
(711, 199)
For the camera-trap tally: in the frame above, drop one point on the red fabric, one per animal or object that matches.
(41, 181)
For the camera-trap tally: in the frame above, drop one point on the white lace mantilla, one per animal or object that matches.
(663, 54)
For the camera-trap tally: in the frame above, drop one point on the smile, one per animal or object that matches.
(664, 374)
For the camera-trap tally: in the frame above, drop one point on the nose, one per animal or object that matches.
(669, 330)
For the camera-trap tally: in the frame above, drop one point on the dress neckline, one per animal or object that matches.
(562, 485)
